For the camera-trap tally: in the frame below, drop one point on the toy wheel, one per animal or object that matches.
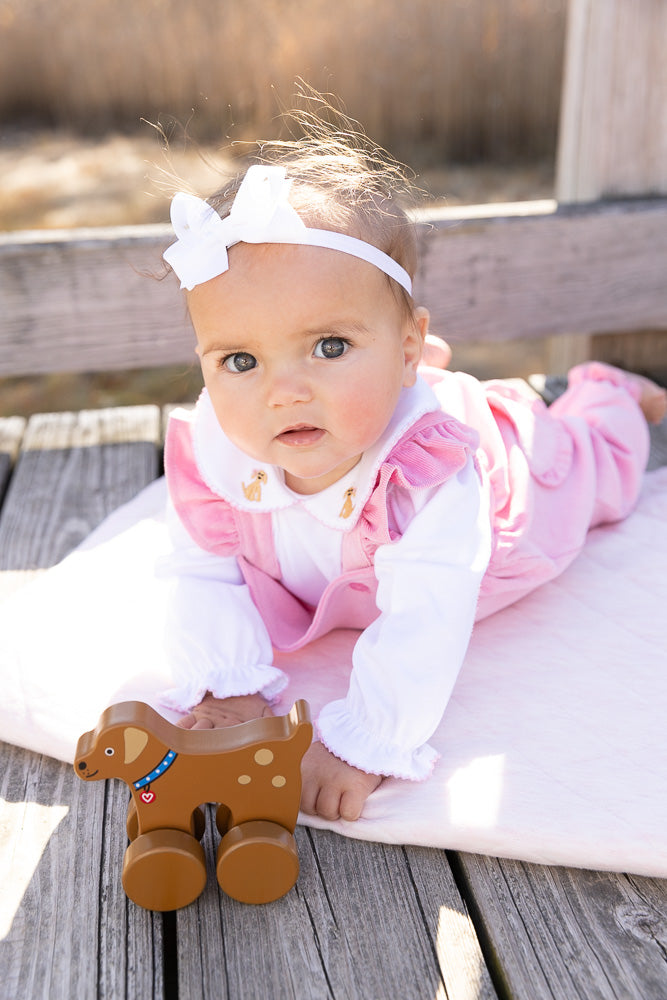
(164, 870)
(257, 862)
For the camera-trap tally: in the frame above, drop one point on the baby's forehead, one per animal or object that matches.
(284, 287)
(300, 265)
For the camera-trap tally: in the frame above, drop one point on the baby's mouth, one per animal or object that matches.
(300, 435)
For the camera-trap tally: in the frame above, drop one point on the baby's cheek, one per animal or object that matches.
(366, 411)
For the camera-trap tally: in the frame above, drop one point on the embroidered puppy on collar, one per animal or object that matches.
(253, 491)
(348, 505)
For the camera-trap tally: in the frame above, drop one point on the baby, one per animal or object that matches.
(328, 479)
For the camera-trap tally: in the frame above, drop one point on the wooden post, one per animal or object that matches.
(613, 127)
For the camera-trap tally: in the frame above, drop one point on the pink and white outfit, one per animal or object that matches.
(473, 497)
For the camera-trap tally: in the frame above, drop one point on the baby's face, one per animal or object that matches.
(304, 353)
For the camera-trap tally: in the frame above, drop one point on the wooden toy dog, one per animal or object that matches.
(252, 770)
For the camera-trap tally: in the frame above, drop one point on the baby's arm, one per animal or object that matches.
(406, 662)
(215, 640)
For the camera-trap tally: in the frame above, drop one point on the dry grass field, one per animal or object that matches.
(465, 91)
(459, 79)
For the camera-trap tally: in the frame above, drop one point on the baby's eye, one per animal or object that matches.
(239, 362)
(331, 347)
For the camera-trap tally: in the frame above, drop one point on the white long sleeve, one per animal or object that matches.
(406, 663)
(216, 637)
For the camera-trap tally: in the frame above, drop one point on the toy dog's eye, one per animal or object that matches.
(109, 751)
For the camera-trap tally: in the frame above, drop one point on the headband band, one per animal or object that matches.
(260, 213)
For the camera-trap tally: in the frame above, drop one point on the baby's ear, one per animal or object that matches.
(413, 342)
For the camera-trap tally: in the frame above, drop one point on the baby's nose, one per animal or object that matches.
(288, 387)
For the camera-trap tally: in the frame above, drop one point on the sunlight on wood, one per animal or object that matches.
(25, 830)
(459, 957)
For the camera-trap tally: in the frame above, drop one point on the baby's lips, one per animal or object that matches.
(302, 434)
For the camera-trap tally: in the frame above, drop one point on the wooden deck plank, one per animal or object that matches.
(569, 934)
(72, 471)
(364, 920)
(11, 433)
(489, 273)
(462, 966)
(658, 454)
(68, 929)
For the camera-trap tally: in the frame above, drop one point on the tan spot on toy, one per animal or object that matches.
(171, 772)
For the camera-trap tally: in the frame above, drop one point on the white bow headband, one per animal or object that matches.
(260, 213)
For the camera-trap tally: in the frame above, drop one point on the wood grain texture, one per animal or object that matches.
(72, 934)
(569, 934)
(574, 271)
(613, 128)
(357, 924)
(484, 276)
(11, 434)
(64, 483)
(658, 453)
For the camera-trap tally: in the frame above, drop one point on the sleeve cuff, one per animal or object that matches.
(268, 681)
(356, 746)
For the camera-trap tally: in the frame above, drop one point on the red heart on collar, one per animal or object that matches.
(147, 797)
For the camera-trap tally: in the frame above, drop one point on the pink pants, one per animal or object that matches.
(559, 472)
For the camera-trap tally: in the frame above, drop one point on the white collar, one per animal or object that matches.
(250, 486)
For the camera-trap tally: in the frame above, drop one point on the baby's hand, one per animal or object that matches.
(216, 713)
(331, 788)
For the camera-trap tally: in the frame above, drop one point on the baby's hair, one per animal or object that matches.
(341, 181)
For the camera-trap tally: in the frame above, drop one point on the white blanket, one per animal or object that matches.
(553, 747)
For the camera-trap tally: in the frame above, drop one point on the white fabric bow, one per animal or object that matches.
(261, 213)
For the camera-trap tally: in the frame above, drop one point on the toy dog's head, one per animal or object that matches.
(110, 752)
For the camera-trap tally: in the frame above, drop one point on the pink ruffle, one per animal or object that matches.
(436, 448)
(208, 519)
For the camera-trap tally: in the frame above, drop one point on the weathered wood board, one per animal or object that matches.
(569, 934)
(489, 273)
(73, 470)
(613, 128)
(364, 920)
(66, 928)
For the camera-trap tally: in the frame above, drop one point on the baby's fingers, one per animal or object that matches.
(309, 792)
(187, 722)
(328, 802)
(351, 804)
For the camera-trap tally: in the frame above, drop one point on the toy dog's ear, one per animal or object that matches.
(135, 741)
